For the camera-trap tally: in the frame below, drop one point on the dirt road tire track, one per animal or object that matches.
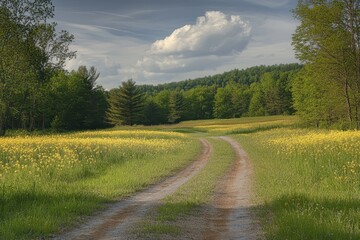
(231, 216)
(117, 220)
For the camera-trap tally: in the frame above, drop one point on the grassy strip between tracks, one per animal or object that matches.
(189, 198)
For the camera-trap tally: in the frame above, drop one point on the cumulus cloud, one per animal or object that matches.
(212, 38)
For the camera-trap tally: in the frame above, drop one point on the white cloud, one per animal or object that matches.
(214, 33)
(213, 38)
(122, 46)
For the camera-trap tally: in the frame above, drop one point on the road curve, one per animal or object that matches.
(117, 220)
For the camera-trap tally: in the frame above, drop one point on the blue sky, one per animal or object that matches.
(157, 41)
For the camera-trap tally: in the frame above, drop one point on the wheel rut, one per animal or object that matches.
(117, 220)
(230, 215)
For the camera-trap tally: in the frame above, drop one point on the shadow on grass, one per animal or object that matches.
(299, 217)
(188, 130)
(30, 215)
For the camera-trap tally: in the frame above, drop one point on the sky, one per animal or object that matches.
(158, 41)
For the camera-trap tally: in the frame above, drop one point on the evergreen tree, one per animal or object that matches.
(126, 104)
(152, 112)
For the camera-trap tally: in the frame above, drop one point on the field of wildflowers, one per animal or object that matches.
(48, 181)
(239, 125)
(307, 181)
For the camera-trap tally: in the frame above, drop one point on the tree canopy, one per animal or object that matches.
(31, 50)
(327, 41)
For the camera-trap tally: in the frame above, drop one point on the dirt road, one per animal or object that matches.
(118, 218)
(229, 216)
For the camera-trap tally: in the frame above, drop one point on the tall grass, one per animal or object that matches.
(307, 182)
(48, 182)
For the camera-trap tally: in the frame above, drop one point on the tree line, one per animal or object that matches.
(256, 91)
(31, 50)
(35, 90)
(37, 93)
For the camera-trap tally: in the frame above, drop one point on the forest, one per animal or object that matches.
(37, 93)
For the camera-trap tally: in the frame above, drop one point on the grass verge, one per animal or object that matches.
(307, 182)
(48, 182)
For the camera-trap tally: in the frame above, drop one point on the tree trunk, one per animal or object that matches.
(352, 9)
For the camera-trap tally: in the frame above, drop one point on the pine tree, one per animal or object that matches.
(126, 104)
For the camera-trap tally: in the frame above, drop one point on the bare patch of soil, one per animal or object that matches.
(117, 220)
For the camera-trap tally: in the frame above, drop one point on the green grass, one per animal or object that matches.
(35, 206)
(191, 196)
(157, 230)
(255, 129)
(307, 182)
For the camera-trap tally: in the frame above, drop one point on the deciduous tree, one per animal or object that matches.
(30, 50)
(328, 41)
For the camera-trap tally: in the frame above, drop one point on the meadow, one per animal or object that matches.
(48, 182)
(239, 125)
(306, 182)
